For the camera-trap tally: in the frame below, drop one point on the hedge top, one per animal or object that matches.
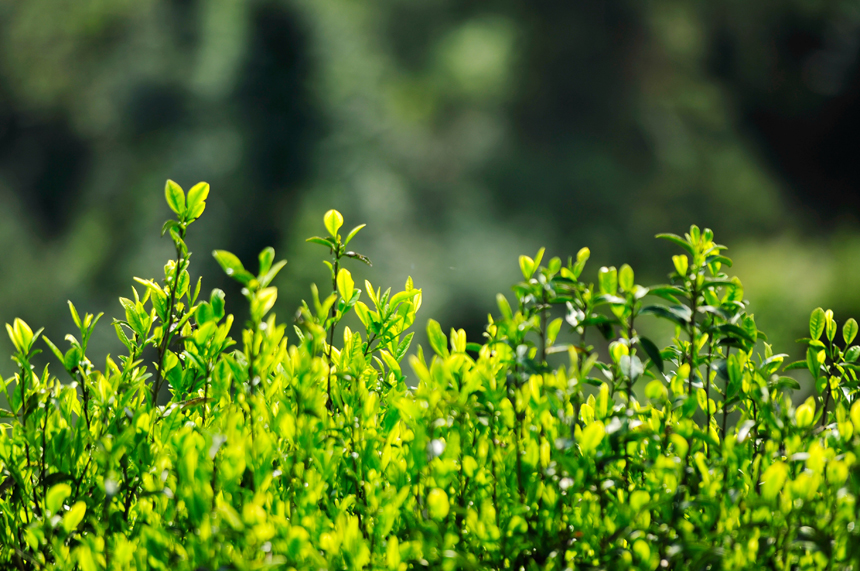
(562, 440)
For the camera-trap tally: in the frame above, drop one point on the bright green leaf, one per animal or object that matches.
(816, 323)
(175, 197)
(333, 220)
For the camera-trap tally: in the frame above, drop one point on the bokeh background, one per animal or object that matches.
(463, 133)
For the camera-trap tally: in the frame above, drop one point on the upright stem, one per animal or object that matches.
(725, 396)
(463, 482)
(86, 398)
(22, 384)
(630, 350)
(332, 315)
(369, 343)
(167, 334)
(708, 392)
(629, 401)
(826, 402)
(252, 357)
(358, 468)
(129, 492)
(826, 394)
(206, 391)
(517, 451)
(543, 319)
(494, 440)
(25, 374)
(695, 300)
(44, 450)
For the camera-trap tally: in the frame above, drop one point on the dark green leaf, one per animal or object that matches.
(359, 257)
(794, 366)
(677, 313)
(652, 351)
(678, 241)
(787, 383)
(717, 258)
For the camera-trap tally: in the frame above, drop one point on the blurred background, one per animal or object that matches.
(463, 133)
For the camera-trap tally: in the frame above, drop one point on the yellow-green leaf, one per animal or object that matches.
(333, 220)
(805, 413)
(175, 197)
(592, 436)
(527, 266)
(56, 496)
(197, 200)
(849, 331)
(74, 516)
(437, 504)
(816, 323)
(773, 479)
(345, 284)
(625, 278)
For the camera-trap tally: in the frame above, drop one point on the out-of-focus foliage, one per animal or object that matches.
(318, 455)
(467, 130)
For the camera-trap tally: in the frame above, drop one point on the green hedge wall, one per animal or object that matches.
(562, 440)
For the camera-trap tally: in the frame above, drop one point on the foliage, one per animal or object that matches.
(644, 115)
(317, 454)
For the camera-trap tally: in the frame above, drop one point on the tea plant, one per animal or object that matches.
(563, 440)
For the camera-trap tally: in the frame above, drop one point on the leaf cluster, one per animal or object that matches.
(563, 440)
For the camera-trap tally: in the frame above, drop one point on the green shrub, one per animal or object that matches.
(524, 451)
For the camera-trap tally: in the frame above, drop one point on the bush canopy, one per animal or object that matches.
(563, 440)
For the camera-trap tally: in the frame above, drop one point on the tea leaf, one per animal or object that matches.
(352, 233)
(73, 518)
(197, 200)
(333, 220)
(232, 266)
(625, 278)
(206, 446)
(437, 339)
(653, 352)
(592, 436)
(677, 240)
(816, 323)
(849, 331)
(56, 496)
(175, 197)
(437, 504)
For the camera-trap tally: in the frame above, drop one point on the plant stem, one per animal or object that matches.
(630, 351)
(726, 396)
(206, 391)
(332, 315)
(543, 319)
(25, 375)
(167, 334)
(708, 392)
(86, 394)
(494, 441)
(44, 450)
(695, 301)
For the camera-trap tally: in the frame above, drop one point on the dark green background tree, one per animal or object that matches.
(469, 132)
